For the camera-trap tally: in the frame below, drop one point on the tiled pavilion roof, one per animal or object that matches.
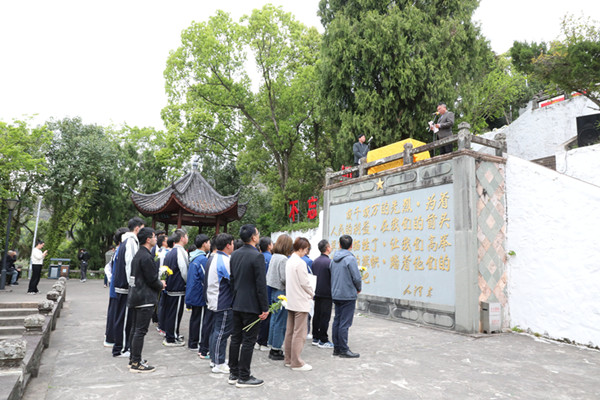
(198, 200)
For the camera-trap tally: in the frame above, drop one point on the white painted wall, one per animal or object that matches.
(553, 227)
(314, 236)
(541, 132)
(581, 163)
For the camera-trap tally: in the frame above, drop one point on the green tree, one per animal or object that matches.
(498, 91)
(22, 166)
(131, 163)
(79, 157)
(523, 54)
(386, 65)
(269, 126)
(573, 63)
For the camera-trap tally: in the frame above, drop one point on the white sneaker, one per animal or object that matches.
(256, 346)
(264, 348)
(309, 336)
(124, 355)
(106, 344)
(305, 367)
(220, 369)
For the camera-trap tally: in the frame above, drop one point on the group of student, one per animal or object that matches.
(228, 286)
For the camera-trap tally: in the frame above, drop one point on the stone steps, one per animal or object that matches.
(17, 312)
(31, 304)
(11, 331)
(12, 321)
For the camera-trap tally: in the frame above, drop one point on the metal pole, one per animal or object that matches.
(37, 220)
(5, 258)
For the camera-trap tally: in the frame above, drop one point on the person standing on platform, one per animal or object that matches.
(142, 297)
(174, 294)
(201, 318)
(346, 283)
(323, 301)
(37, 261)
(249, 302)
(360, 150)
(121, 275)
(444, 124)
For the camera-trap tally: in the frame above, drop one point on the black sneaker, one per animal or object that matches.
(336, 352)
(250, 382)
(140, 368)
(143, 362)
(349, 354)
(232, 379)
(276, 355)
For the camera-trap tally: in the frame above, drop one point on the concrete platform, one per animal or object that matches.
(398, 361)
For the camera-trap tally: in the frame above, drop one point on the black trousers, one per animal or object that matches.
(141, 319)
(110, 321)
(122, 327)
(200, 328)
(242, 344)
(36, 274)
(321, 318)
(83, 270)
(172, 312)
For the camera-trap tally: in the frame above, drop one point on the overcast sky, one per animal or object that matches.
(104, 61)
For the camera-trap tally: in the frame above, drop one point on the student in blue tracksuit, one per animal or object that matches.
(109, 334)
(174, 294)
(201, 318)
(219, 299)
(120, 276)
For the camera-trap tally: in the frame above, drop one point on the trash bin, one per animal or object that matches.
(490, 317)
(59, 267)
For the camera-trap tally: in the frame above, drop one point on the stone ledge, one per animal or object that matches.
(15, 375)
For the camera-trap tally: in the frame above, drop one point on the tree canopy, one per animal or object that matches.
(266, 120)
(386, 65)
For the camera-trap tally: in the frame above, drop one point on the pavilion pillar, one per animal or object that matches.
(218, 225)
(153, 222)
(179, 218)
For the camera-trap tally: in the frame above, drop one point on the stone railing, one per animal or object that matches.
(20, 358)
(464, 139)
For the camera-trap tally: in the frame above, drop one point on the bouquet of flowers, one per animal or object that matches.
(362, 270)
(273, 308)
(164, 272)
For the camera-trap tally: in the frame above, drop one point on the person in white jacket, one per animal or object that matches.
(299, 293)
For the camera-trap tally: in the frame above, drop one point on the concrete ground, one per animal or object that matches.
(398, 361)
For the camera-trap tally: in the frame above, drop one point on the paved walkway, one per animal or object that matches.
(398, 361)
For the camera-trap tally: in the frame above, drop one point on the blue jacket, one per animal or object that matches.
(217, 286)
(267, 261)
(346, 281)
(194, 291)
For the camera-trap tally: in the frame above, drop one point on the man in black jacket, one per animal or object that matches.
(248, 283)
(142, 296)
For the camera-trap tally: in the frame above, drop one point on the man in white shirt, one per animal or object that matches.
(37, 260)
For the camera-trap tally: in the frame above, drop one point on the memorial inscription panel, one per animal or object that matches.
(404, 240)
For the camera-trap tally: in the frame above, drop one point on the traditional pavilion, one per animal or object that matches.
(190, 201)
